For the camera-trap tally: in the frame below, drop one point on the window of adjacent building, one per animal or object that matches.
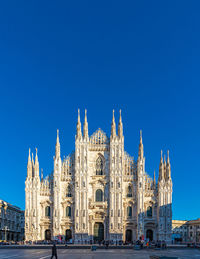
(129, 194)
(68, 211)
(99, 195)
(129, 211)
(99, 166)
(149, 212)
(47, 211)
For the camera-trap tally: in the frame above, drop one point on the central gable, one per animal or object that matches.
(99, 141)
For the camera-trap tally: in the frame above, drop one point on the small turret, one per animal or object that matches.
(113, 127)
(78, 127)
(141, 148)
(85, 127)
(57, 149)
(120, 126)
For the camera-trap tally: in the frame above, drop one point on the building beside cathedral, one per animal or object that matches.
(99, 192)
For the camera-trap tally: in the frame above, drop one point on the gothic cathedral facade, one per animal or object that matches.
(98, 192)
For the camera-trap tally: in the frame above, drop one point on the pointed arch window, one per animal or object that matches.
(99, 195)
(69, 191)
(68, 211)
(99, 166)
(47, 211)
(149, 211)
(130, 191)
(129, 211)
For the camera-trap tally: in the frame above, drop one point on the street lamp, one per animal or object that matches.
(5, 229)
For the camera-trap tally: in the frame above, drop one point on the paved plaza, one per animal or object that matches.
(99, 254)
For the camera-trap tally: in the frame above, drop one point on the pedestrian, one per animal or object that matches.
(54, 251)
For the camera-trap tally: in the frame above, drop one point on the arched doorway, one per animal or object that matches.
(47, 234)
(98, 231)
(149, 234)
(128, 235)
(68, 234)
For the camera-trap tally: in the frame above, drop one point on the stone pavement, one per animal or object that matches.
(98, 254)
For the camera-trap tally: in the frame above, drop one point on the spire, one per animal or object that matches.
(141, 148)
(36, 156)
(113, 126)
(154, 178)
(161, 168)
(57, 149)
(78, 127)
(161, 157)
(32, 159)
(42, 176)
(29, 165)
(120, 126)
(85, 127)
(33, 165)
(168, 162)
(168, 167)
(29, 156)
(36, 163)
(57, 140)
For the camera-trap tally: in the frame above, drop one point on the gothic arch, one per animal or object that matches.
(130, 190)
(99, 195)
(69, 190)
(68, 211)
(100, 164)
(47, 211)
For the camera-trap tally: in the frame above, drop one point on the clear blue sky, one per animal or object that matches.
(140, 56)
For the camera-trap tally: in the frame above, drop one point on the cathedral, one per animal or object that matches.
(99, 192)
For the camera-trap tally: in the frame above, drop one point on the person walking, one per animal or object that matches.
(54, 251)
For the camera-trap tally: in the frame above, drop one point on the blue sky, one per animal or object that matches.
(139, 56)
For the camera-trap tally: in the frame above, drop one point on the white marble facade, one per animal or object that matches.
(98, 192)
